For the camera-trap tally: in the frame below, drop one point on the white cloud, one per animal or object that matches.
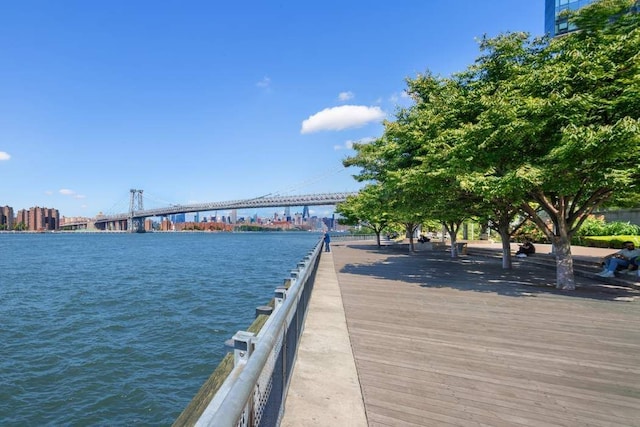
(265, 83)
(79, 196)
(348, 145)
(340, 118)
(345, 96)
(4, 155)
(48, 192)
(67, 192)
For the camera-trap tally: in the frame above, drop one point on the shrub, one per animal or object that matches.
(597, 226)
(617, 228)
(593, 226)
(614, 242)
(529, 231)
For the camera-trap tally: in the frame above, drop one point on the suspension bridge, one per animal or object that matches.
(133, 219)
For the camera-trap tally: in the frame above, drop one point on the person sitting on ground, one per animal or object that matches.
(623, 258)
(423, 239)
(526, 249)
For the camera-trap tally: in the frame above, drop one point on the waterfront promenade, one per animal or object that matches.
(465, 343)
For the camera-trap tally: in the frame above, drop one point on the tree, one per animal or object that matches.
(560, 121)
(368, 207)
(411, 159)
(547, 127)
(378, 161)
(443, 107)
(406, 208)
(482, 156)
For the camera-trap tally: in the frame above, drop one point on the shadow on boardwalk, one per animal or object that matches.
(436, 269)
(464, 343)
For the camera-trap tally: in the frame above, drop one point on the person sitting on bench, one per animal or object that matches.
(623, 258)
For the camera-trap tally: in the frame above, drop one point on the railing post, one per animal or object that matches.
(280, 296)
(242, 350)
(242, 347)
(263, 309)
(294, 276)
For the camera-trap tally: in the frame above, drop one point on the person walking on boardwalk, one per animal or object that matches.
(327, 240)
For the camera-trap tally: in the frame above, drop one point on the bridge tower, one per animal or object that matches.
(135, 204)
(305, 212)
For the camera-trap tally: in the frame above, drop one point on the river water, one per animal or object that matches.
(123, 329)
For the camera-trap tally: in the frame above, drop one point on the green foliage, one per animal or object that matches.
(370, 208)
(547, 127)
(615, 242)
(247, 227)
(617, 228)
(597, 226)
(530, 231)
(592, 226)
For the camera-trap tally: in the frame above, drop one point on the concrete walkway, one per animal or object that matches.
(324, 389)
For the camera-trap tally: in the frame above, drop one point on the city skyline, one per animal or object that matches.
(263, 207)
(206, 102)
(37, 218)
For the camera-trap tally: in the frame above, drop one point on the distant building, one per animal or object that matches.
(22, 218)
(178, 218)
(167, 225)
(555, 25)
(6, 218)
(39, 219)
(69, 219)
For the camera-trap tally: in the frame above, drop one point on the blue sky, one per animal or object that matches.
(202, 101)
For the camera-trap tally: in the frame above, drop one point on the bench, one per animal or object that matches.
(461, 248)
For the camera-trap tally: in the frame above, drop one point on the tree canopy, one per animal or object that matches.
(544, 128)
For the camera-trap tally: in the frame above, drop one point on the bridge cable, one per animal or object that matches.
(310, 181)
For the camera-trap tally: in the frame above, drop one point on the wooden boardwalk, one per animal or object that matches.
(439, 342)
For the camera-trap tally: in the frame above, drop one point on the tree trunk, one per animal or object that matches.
(409, 230)
(452, 230)
(378, 237)
(454, 245)
(505, 236)
(565, 279)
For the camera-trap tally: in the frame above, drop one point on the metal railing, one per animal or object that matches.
(254, 392)
(339, 237)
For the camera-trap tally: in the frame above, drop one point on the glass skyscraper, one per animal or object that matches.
(553, 25)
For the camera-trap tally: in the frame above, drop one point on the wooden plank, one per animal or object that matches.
(443, 343)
